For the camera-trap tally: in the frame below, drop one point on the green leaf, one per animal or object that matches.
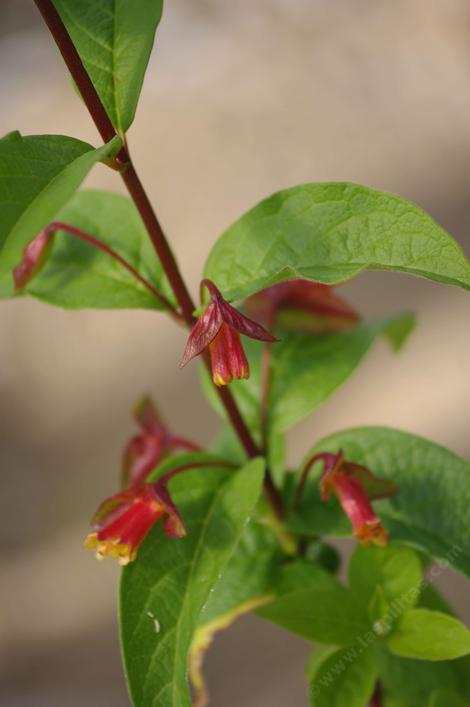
(297, 387)
(412, 681)
(77, 274)
(38, 174)
(248, 581)
(327, 615)
(430, 511)
(228, 446)
(299, 575)
(446, 698)
(251, 573)
(344, 677)
(395, 570)
(308, 369)
(429, 635)
(114, 39)
(329, 233)
(431, 598)
(172, 580)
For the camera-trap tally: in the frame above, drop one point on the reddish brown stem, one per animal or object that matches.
(303, 478)
(82, 235)
(134, 186)
(107, 132)
(376, 699)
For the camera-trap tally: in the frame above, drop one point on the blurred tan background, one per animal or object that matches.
(241, 99)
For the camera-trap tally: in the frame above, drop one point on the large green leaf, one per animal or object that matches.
(429, 635)
(395, 570)
(79, 275)
(306, 370)
(446, 698)
(251, 573)
(413, 680)
(164, 591)
(114, 39)
(430, 511)
(343, 677)
(329, 233)
(300, 575)
(38, 174)
(248, 581)
(327, 615)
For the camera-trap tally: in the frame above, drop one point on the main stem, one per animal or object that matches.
(137, 192)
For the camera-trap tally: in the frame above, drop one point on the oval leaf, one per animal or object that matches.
(38, 174)
(329, 232)
(429, 635)
(430, 510)
(248, 581)
(164, 591)
(446, 698)
(395, 569)
(77, 274)
(413, 680)
(114, 39)
(344, 677)
(327, 615)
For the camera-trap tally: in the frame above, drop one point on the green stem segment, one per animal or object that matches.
(137, 192)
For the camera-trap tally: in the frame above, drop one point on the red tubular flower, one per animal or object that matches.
(219, 329)
(302, 305)
(354, 486)
(124, 520)
(147, 449)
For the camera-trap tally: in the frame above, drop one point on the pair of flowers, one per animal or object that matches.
(123, 521)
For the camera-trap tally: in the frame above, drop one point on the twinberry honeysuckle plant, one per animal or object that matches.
(209, 534)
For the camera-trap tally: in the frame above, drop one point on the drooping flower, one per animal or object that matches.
(147, 449)
(354, 486)
(303, 306)
(123, 521)
(219, 329)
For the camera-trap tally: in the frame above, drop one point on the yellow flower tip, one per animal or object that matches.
(372, 533)
(109, 548)
(244, 372)
(91, 541)
(219, 380)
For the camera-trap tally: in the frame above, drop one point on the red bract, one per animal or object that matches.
(302, 305)
(123, 521)
(147, 449)
(353, 485)
(219, 329)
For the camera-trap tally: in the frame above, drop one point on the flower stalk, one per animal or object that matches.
(33, 251)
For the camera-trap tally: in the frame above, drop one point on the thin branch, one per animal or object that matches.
(82, 235)
(107, 132)
(134, 186)
(303, 477)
